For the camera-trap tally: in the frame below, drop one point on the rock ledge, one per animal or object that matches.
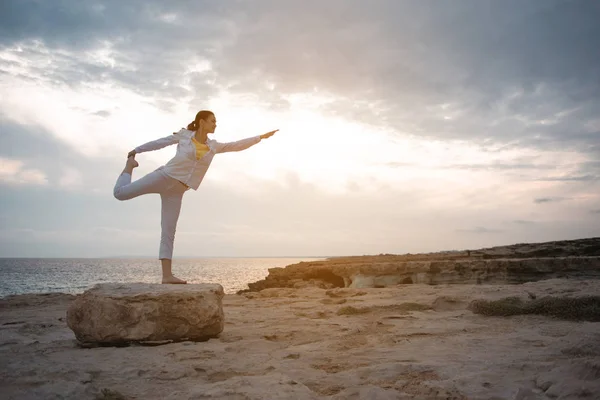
(113, 314)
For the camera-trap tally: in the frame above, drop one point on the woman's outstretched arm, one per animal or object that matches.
(242, 144)
(155, 145)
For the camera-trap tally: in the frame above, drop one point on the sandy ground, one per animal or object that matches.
(299, 344)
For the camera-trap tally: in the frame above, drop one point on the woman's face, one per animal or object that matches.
(209, 124)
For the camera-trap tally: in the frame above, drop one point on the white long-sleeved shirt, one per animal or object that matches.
(184, 166)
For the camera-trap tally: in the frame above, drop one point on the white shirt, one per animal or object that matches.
(184, 166)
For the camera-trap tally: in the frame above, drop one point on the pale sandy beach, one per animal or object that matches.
(406, 342)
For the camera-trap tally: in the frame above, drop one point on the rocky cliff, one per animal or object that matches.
(512, 264)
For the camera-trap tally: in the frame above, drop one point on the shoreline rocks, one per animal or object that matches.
(332, 273)
(512, 264)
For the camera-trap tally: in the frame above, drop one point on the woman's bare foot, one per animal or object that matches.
(167, 273)
(130, 165)
(173, 280)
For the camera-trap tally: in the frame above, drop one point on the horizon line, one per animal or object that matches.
(154, 257)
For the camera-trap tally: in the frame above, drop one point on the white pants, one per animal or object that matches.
(171, 193)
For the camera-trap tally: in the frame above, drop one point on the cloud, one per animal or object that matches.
(580, 178)
(502, 98)
(523, 222)
(397, 164)
(479, 229)
(500, 166)
(14, 172)
(71, 177)
(541, 200)
(251, 217)
(149, 47)
(488, 72)
(102, 113)
(34, 153)
(480, 71)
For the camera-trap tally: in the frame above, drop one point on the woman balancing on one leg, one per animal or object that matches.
(186, 170)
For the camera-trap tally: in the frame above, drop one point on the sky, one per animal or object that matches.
(405, 126)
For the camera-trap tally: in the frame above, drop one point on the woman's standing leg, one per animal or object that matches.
(171, 192)
(171, 207)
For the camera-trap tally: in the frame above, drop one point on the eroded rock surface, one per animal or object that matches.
(138, 312)
(512, 264)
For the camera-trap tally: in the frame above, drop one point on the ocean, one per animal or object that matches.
(75, 275)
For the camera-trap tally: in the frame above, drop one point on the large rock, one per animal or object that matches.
(138, 312)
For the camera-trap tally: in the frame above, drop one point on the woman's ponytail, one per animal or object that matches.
(192, 126)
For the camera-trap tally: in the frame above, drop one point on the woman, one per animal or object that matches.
(185, 170)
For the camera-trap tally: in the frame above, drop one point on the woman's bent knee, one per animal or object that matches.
(119, 195)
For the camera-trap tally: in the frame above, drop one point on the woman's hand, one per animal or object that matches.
(268, 134)
(131, 154)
